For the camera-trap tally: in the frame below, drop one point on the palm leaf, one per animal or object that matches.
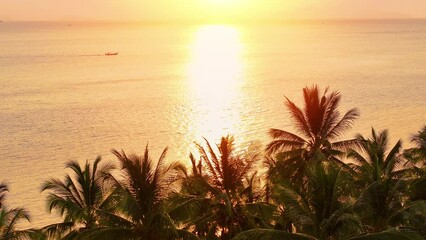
(54, 231)
(299, 119)
(386, 235)
(344, 124)
(278, 133)
(270, 234)
(280, 144)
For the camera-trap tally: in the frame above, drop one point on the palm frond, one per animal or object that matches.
(389, 234)
(3, 189)
(277, 133)
(346, 144)
(184, 234)
(56, 230)
(271, 234)
(278, 145)
(8, 221)
(344, 124)
(296, 208)
(102, 233)
(299, 119)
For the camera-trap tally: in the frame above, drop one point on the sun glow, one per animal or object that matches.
(224, 3)
(215, 77)
(225, 10)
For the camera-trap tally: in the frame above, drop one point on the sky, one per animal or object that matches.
(206, 10)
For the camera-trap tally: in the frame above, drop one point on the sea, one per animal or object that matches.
(172, 85)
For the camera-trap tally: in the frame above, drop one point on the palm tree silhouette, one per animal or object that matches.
(380, 174)
(80, 198)
(375, 160)
(323, 209)
(417, 154)
(320, 126)
(3, 190)
(141, 211)
(8, 221)
(213, 195)
(10, 218)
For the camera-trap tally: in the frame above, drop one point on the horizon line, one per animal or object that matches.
(200, 21)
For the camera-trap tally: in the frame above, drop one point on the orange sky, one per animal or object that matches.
(209, 10)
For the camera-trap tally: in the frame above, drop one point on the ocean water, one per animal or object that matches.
(62, 99)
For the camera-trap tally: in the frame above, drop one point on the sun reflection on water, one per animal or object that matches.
(215, 75)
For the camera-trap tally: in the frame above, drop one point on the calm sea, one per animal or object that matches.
(62, 99)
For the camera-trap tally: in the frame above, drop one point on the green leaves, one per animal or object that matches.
(8, 222)
(307, 193)
(145, 187)
(271, 234)
(386, 235)
(3, 190)
(79, 197)
(320, 123)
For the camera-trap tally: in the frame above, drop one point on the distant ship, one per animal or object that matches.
(111, 53)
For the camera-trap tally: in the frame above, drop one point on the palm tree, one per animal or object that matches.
(320, 126)
(323, 209)
(141, 212)
(270, 234)
(380, 173)
(375, 160)
(418, 153)
(228, 170)
(381, 205)
(80, 198)
(3, 190)
(217, 191)
(10, 218)
(191, 199)
(417, 184)
(8, 221)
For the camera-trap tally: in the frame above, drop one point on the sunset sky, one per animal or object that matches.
(207, 10)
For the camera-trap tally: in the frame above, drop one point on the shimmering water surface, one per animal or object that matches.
(62, 99)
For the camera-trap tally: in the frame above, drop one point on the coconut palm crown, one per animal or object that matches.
(141, 211)
(79, 198)
(375, 160)
(319, 124)
(417, 154)
(214, 193)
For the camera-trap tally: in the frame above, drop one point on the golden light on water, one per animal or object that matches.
(216, 64)
(215, 76)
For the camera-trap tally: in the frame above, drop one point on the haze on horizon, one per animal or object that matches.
(206, 10)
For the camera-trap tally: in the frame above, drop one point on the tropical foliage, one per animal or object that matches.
(312, 185)
(320, 125)
(141, 211)
(9, 219)
(80, 198)
(214, 194)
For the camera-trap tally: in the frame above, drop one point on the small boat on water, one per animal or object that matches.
(111, 53)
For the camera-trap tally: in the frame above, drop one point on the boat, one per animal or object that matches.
(111, 53)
